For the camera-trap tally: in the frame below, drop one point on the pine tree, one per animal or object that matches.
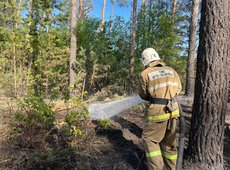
(205, 149)
(73, 48)
(132, 47)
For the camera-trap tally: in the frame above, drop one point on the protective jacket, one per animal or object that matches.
(159, 134)
(159, 81)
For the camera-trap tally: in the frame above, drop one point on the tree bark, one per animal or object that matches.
(132, 53)
(80, 9)
(15, 27)
(103, 17)
(15, 62)
(88, 68)
(205, 149)
(27, 71)
(112, 14)
(174, 8)
(190, 78)
(73, 47)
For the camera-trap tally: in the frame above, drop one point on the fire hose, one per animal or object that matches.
(181, 139)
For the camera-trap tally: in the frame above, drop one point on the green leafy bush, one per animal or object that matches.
(104, 123)
(35, 122)
(34, 112)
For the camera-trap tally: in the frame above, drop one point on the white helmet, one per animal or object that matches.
(149, 55)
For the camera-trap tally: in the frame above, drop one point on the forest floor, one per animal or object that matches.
(117, 147)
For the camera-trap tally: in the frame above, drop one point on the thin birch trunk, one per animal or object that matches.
(112, 14)
(103, 16)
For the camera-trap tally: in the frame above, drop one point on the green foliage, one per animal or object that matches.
(122, 3)
(33, 113)
(39, 39)
(35, 118)
(74, 120)
(156, 28)
(104, 123)
(39, 129)
(118, 58)
(42, 37)
(80, 110)
(179, 64)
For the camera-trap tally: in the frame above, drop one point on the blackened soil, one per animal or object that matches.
(118, 147)
(121, 144)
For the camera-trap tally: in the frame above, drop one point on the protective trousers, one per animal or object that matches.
(160, 144)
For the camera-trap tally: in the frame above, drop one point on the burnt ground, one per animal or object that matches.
(121, 144)
(118, 147)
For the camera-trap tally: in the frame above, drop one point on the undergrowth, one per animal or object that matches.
(43, 138)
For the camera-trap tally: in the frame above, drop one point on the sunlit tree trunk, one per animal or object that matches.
(14, 59)
(73, 47)
(190, 78)
(132, 53)
(205, 149)
(112, 14)
(26, 73)
(15, 27)
(143, 7)
(174, 8)
(121, 3)
(80, 9)
(103, 16)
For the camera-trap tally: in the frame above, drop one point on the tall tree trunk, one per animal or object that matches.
(15, 62)
(88, 68)
(103, 16)
(112, 14)
(141, 26)
(73, 47)
(27, 71)
(190, 78)
(80, 9)
(174, 8)
(15, 27)
(205, 149)
(132, 53)
(34, 33)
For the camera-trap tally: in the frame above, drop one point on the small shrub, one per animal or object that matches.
(75, 121)
(32, 117)
(33, 112)
(34, 122)
(104, 123)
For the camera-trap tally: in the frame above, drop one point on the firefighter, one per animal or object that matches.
(159, 85)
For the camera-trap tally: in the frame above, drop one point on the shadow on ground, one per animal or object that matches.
(132, 154)
(132, 127)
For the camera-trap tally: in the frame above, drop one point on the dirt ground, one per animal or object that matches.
(118, 147)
